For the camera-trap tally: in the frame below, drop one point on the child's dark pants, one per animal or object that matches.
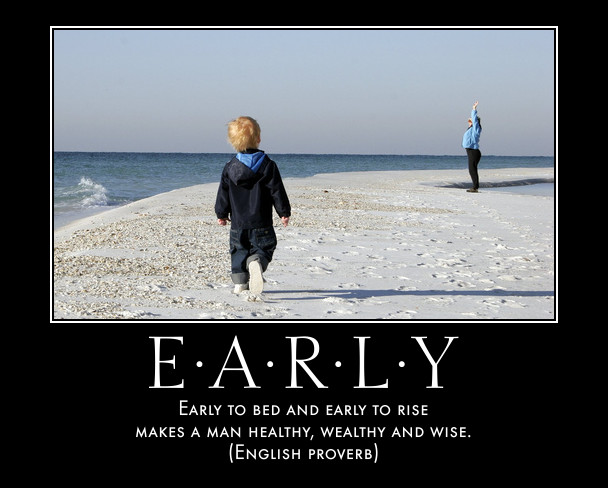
(248, 245)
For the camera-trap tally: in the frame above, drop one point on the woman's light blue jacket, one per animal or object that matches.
(470, 139)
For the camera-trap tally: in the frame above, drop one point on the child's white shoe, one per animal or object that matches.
(256, 280)
(240, 288)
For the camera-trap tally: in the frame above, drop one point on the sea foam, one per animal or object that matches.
(93, 194)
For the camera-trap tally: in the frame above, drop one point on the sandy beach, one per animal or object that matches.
(398, 245)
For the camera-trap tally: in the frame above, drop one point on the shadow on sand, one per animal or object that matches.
(364, 294)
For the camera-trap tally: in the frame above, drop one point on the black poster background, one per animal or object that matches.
(504, 383)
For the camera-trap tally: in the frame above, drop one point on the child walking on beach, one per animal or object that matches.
(250, 187)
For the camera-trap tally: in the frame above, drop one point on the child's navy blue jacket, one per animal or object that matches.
(246, 196)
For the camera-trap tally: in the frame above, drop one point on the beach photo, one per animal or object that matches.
(291, 252)
(400, 245)
(394, 214)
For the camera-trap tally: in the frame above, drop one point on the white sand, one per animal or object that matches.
(360, 246)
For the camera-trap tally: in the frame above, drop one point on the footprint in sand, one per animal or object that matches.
(405, 288)
(441, 276)
(446, 263)
(340, 312)
(318, 270)
(501, 302)
(296, 248)
(324, 258)
(401, 314)
(440, 300)
(349, 285)
(508, 278)
(340, 302)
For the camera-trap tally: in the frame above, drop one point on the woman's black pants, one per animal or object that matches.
(474, 156)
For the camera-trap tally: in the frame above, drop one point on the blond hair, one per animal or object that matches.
(244, 133)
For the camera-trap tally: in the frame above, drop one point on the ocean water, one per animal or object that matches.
(85, 183)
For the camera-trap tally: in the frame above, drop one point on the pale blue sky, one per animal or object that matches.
(364, 91)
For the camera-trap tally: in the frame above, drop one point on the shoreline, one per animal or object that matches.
(67, 214)
(380, 245)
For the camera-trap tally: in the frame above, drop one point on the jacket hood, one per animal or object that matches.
(251, 160)
(244, 167)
